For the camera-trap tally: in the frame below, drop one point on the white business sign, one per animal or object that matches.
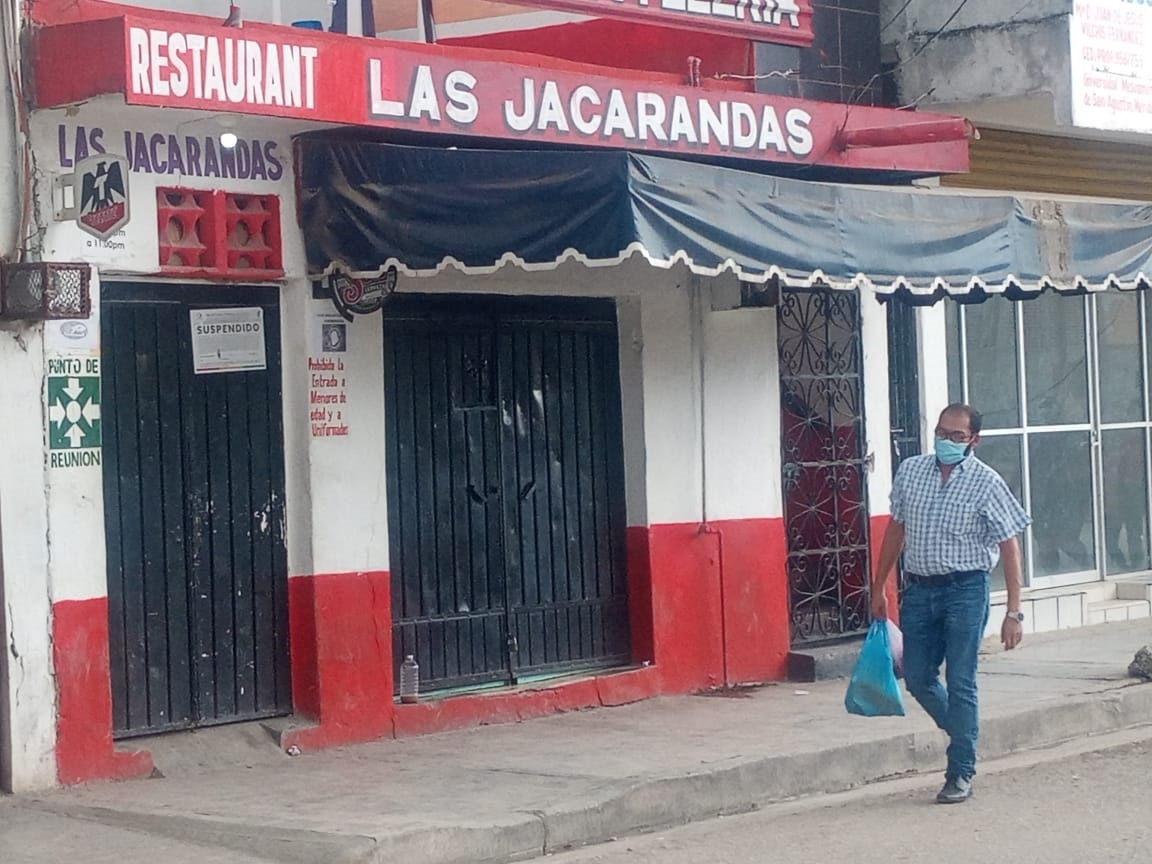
(228, 340)
(1111, 64)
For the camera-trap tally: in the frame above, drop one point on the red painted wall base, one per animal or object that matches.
(709, 607)
(461, 712)
(341, 647)
(719, 602)
(84, 749)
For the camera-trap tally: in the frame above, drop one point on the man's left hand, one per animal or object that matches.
(1011, 632)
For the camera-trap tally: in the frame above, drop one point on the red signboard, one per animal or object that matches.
(784, 21)
(285, 72)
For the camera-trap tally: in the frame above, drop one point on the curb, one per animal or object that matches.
(628, 807)
(671, 801)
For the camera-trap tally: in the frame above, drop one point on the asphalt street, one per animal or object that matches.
(535, 788)
(1072, 804)
(1083, 802)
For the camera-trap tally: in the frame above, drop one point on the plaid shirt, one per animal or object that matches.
(956, 526)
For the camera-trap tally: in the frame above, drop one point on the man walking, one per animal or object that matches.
(953, 517)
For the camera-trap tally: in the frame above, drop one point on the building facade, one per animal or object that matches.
(1061, 93)
(567, 377)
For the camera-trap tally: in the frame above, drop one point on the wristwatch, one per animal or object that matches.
(1015, 616)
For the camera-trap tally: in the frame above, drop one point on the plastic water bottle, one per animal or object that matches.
(409, 680)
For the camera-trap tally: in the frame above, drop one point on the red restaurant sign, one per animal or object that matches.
(788, 22)
(284, 72)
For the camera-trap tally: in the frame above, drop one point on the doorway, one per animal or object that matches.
(193, 508)
(823, 463)
(1063, 385)
(505, 488)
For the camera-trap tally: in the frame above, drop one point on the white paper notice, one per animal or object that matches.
(1111, 52)
(228, 340)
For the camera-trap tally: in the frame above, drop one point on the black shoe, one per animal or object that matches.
(956, 791)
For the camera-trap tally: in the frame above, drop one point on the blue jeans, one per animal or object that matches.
(945, 624)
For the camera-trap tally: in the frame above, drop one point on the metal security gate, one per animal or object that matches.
(505, 488)
(822, 434)
(194, 516)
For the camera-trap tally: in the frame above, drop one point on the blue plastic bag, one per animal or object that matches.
(872, 690)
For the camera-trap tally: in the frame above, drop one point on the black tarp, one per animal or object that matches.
(366, 206)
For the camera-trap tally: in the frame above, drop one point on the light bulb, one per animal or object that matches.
(228, 140)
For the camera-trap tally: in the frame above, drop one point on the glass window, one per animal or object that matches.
(1060, 469)
(1125, 500)
(993, 382)
(1055, 360)
(1121, 364)
(1089, 497)
(1002, 453)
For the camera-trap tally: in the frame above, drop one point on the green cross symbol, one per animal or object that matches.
(73, 412)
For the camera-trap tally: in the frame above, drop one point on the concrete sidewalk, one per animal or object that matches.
(522, 790)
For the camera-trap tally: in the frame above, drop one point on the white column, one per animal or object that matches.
(672, 404)
(296, 308)
(349, 514)
(931, 331)
(77, 568)
(631, 337)
(877, 378)
(27, 693)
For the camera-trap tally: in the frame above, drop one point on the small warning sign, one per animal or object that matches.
(228, 340)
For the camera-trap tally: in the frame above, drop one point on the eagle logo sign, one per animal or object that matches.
(103, 205)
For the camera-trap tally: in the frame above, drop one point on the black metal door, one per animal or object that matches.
(903, 391)
(506, 488)
(824, 465)
(194, 516)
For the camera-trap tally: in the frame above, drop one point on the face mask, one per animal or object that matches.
(949, 452)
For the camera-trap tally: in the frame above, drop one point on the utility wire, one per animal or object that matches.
(935, 35)
(939, 31)
(899, 12)
(1012, 19)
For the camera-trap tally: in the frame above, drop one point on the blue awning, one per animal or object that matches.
(367, 206)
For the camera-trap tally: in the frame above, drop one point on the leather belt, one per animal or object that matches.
(940, 579)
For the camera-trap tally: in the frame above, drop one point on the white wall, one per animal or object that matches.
(669, 317)
(62, 135)
(76, 554)
(877, 414)
(349, 501)
(631, 330)
(931, 332)
(296, 345)
(742, 414)
(51, 517)
(31, 697)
